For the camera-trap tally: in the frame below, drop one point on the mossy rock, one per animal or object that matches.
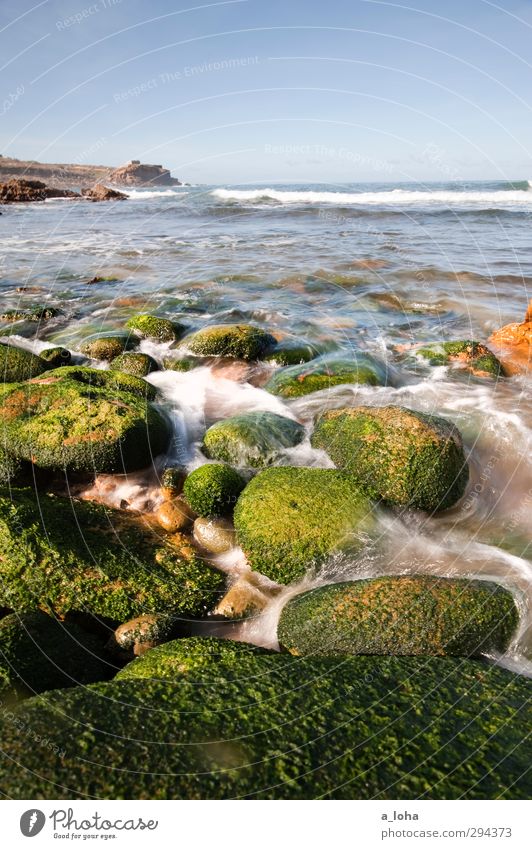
(286, 354)
(402, 456)
(252, 439)
(114, 381)
(242, 341)
(415, 615)
(37, 653)
(68, 555)
(200, 660)
(474, 356)
(181, 363)
(10, 468)
(17, 364)
(153, 327)
(324, 374)
(352, 728)
(213, 489)
(87, 425)
(56, 357)
(37, 313)
(104, 347)
(134, 363)
(289, 520)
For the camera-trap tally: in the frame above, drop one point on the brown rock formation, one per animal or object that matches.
(513, 344)
(28, 191)
(136, 173)
(100, 192)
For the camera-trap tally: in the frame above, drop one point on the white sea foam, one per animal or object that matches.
(144, 194)
(395, 197)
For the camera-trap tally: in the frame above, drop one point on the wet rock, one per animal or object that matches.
(289, 520)
(135, 363)
(38, 652)
(402, 456)
(513, 344)
(144, 632)
(37, 314)
(474, 356)
(213, 489)
(113, 381)
(254, 724)
(324, 374)
(153, 327)
(28, 191)
(104, 347)
(214, 535)
(242, 601)
(174, 515)
(417, 615)
(100, 192)
(56, 357)
(17, 364)
(81, 420)
(76, 555)
(252, 439)
(172, 480)
(181, 364)
(242, 341)
(286, 354)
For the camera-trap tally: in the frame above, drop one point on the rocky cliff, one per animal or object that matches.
(71, 176)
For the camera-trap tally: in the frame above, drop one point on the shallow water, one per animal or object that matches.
(348, 268)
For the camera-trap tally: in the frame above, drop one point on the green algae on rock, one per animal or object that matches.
(474, 356)
(114, 381)
(81, 420)
(252, 439)
(153, 327)
(242, 341)
(213, 489)
(17, 364)
(377, 728)
(56, 357)
(70, 555)
(37, 653)
(404, 615)
(135, 363)
(402, 456)
(286, 354)
(104, 347)
(38, 313)
(289, 520)
(324, 374)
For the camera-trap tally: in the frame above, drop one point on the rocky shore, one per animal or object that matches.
(74, 176)
(360, 699)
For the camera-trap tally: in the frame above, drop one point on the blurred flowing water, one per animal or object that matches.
(348, 268)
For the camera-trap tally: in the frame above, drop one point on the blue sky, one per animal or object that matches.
(271, 90)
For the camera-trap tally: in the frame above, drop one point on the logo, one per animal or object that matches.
(32, 822)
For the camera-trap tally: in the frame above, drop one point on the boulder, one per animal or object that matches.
(473, 356)
(402, 456)
(513, 344)
(80, 420)
(414, 615)
(325, 373)
(56, 357)
(174, 515)
(38, 313)
(252, 439)
(143, 633)
(153, 327)
(104, 347)
(214, 535)
(75, 555)
(26, 191)
(289, 520)
(17, 364)
(100, 192)
(237, 722)
(213, 489)
(287, 354)
(113, 381)
(172, 481)
(135, 363)
(241, 341)
(38, 652)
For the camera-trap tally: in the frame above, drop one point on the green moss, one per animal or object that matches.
(291, 355)
(324, 374)
(213, 489)
(415, 615)
(17, 364)
(252, 439)
(114, 381)
(400, 455)
(37, 313)
(243, 341)
(68, 555)
(346, 728)
(134, 363)
(80, 420)
(289, 520)
(181, 363)
(104, 347)
(474, 356)
(56, 357)
(206, 660)
(153, 327)
(37, 653)
(10, 468)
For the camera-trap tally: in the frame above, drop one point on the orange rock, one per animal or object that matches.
(513, 344)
